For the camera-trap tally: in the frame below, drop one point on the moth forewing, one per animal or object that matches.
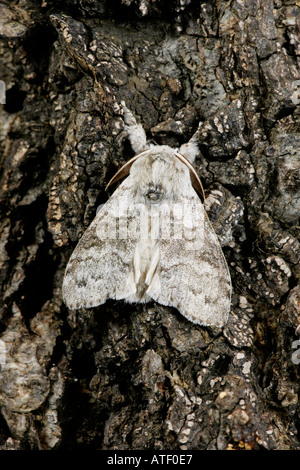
(194, 277)
(100, 265)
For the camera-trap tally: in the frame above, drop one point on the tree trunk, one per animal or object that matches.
(141, 376)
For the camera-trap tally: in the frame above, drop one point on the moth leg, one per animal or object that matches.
(136, 133)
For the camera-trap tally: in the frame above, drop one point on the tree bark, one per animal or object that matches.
(141, 376)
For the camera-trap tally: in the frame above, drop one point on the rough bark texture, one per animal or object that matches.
(143, 377)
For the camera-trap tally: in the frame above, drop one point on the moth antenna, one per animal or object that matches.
(136, 133)
(190, 150)
(196, 182)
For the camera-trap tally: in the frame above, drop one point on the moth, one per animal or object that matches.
(152, 240)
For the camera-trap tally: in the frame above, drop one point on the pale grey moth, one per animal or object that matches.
(152, 239)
